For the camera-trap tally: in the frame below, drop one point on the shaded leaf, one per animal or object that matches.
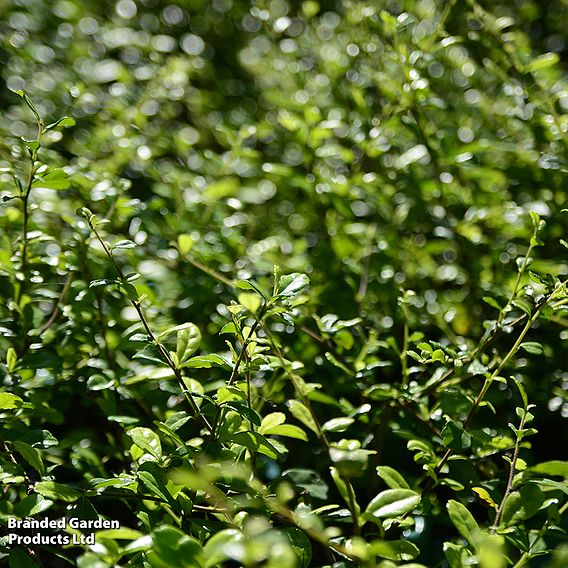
(301, 413)
(553, 467)
(532, 347)
(252, 441)
(31, 455)
(399, 550)
(32, 505)
(57, 491)
(463, 520)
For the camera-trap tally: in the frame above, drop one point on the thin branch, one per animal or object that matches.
(163, 351)
(490, 379)
(56, 311)
(26, 212)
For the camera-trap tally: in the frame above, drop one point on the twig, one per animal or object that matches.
(163, 351)
(26, 212)
(490, 379)
(56, 311)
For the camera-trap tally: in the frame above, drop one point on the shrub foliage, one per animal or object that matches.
(284, 283)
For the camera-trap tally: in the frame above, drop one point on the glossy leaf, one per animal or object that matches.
(146, 440)
(392, 503)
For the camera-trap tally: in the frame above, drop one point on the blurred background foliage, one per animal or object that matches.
(375, 146)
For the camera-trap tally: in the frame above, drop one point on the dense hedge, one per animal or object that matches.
(286, 286)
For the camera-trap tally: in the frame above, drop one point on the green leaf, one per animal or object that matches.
(152, 476)
(123, 481)
(29, 102)
(252, 441)
(146, 440)
(233, 392)
(456, 555)
(188, 341)
(522, 392)
(490, 550)
(301, 545)
(31, 455)
(19, 559)
(40, 439)
(250, 301)
(151, 353)
(123, 533)
(57, 491)
(99, 382)
(512, 509)
(224, 187)
(392, 478)
(392, 503)
(242, 408)
(349, 458)
(172, 547)
(175, 328)
(11, 359)
(272, 420)
(307, 480)
(31, 145)
(140, 337)
(32, 505)
(248, 285)
(491, 302)
(398, 550)
(389, 21)
(535, 218)
(9, 400)
(291, 284)
(485, 496)
(101, 282)
(337, 424)
(125, 244)
(206, 362)
(547, 484)
(185, 243)
(287, 430)
(177, 420)
(228, 328)
(55, 179)
(129, 290)
(522, 504)
(65, 121)
(455, 437)
(224, 545)
(463, 520)
(345, 490)
(301, 413)
(532, 347)
(438, 355)
(553, 467)
(543, 61)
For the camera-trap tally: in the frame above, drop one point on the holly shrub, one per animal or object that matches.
(283, 283)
